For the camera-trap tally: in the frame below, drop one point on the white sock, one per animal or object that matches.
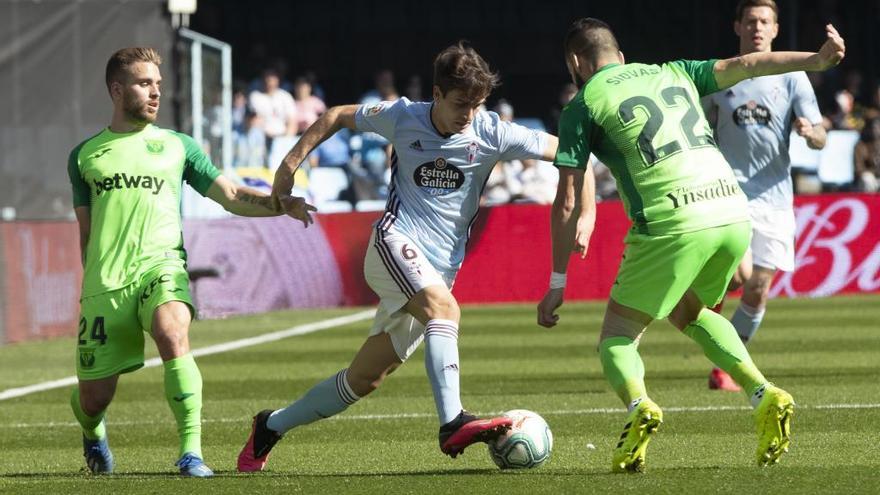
(757, 395)
(441, 363)
(634, 404)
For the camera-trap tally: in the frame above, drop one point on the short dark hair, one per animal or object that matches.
(747, 4)
(589, 38)
(122, 59)
(461, 67)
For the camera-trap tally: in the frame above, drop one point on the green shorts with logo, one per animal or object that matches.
(112, 325)
(657, 270)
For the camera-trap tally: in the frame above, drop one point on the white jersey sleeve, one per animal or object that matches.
(516, 142)
(380, 117)
(804, 98)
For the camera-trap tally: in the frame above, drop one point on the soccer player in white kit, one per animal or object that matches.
(444, 153)
(752, 122)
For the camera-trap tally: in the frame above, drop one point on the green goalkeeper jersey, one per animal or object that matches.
(131, 183)
(646, 124)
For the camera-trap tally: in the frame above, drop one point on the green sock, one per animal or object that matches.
(92, 426)
(723, 347)
(183, 389)
(623, 367)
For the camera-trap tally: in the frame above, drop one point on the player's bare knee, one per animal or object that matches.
(443, 306)
(756, 291)
(172, 339)
(94, 401)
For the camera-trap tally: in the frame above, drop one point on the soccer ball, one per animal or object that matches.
(526, 445)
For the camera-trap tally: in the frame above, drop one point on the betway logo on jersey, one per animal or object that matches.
(721, 188)
(438, 177)
(125, 181)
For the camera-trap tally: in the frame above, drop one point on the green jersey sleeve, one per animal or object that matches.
(81, 192)
(702, 72)
(575, 130)
(198, 172)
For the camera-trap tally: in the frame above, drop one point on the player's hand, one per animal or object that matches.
(583, 232)
(296, 207)
(803, 126)
(833, 51)
(547, 316)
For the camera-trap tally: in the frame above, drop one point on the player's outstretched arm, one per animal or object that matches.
(333, 120)
(248, 202)
(571, 219)
(733, 70)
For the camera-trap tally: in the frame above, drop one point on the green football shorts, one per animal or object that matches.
(657, 270)
(112, 325)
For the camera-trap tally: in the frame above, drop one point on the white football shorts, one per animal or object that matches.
(773, 233)
(396, 269)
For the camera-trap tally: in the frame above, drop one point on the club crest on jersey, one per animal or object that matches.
(472, 150)
(752, 113)
(438, 177)
(155, 146)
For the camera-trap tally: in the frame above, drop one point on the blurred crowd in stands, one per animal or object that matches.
(351, 170)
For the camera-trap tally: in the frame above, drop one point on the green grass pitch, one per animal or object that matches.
(824, 351)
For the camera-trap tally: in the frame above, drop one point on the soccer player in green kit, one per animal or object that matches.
(690, 224)
(126, 183)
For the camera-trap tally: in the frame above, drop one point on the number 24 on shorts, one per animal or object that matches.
(97, 332)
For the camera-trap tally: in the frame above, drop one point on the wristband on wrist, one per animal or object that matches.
(557, 280)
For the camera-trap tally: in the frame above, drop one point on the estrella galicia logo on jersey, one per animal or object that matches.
(125, 181)
(719, 189)
(155, 146)
(438, 177)
(751, 113)
(86, 358)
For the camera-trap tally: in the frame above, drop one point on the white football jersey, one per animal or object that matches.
(753, 127)
(436, 181)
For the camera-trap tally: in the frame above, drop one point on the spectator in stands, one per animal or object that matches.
(521, 181)
(373, 154)
(308, 106)
(239, 111)
(503, 184)
(249, 144)
(867, 158)
(335, 152)
(414, 88)
(383, 90)
(874, 109)
(551, 121)
(317, 90)
(275, 108)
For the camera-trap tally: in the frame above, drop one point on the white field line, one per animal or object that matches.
(361, 417)
(206, 351)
